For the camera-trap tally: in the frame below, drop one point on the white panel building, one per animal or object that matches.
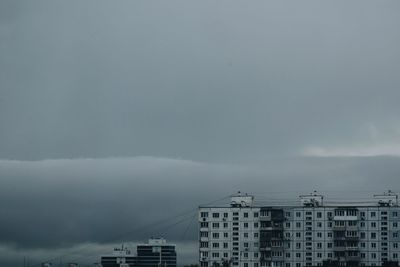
(313, 233)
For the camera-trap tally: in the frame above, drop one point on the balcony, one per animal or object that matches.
(353, 238)
(353, 258)
(352, 249)
(345, 218)
(339, 228)
(335, 248)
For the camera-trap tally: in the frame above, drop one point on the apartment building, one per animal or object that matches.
(312, 233)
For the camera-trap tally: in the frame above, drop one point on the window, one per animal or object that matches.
(298, 224)
(298, 255)
(373, 214)
(215, 215)
(298, 214)
(395, 224)
(329, 234)
(339, 212)
(204, 244)
(225, 245)
(204, 214)
(215, 225)
(373, 245)
(287, 225)
(256, 225)
(215, 245)
(246, 225)
(373, 224)
(298, 245)
(264, 213)
(373, 235)
(226, 235)
(255, 214)
(329, 245)
(255, 254)
(319, 214)
(203, 224)
(225, 215)
(319, 234)
(245, 244)
(225, 225)
(245, 255)
(215, 255)
(215, 235)
(394, 213)
(226, 255)
(203, 234)
(246, 235)
(319, 245)
(246, 215)
(352, 212)
(319, 224)
(298, 234)
(255, 235)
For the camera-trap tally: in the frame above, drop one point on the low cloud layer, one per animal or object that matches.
(56, 205)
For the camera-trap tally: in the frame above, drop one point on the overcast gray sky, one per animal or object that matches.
(109, 106)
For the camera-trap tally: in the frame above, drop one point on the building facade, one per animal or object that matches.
(121, 257)
(156, 253)
(312, 233)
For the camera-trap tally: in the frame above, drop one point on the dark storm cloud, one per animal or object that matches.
(65, 202)
(200, 80)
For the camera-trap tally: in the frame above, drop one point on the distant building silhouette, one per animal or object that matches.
(156, 253)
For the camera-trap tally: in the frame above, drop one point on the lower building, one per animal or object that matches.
(156, 253)
(121, 257)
